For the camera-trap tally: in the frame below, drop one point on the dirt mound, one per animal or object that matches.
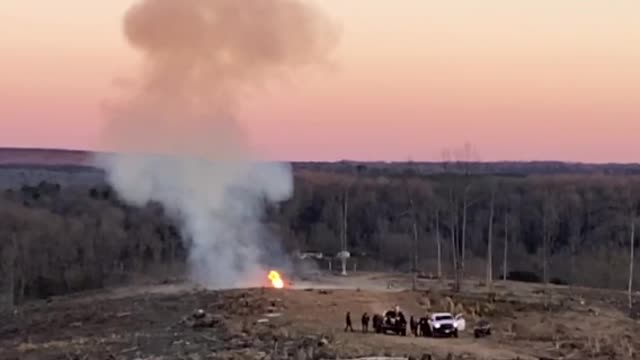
(306, 324)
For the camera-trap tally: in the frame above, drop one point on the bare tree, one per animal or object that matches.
(549, 224)
(510, 219)
(454, 240)
(459, 200)
(490, 239)
(506, 245)
(414, 227)
(633, 220)
(10, 263)
(465, 207)
(453, 218)
(345, 215)
(573, 209)
(382, 229)
(545, 242)
(438, 245)
(414, 283)
(416, 190)
(466, 155)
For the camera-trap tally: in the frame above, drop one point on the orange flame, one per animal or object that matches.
(276, 280)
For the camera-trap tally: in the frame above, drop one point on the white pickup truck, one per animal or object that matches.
(444, 324)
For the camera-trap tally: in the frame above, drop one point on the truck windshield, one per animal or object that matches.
(444, 317)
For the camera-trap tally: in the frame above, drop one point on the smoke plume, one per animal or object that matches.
(175, 132)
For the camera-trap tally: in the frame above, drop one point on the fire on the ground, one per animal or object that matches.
(276, 279)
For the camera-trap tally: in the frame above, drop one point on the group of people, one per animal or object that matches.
(366, 319)
(416, 326)
(364, 322)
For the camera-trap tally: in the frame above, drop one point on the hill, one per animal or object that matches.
(306, 322)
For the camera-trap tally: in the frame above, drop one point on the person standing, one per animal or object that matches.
(348, 321)
(365, 322)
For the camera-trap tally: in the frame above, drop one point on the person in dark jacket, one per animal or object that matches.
(365, 322)
(413, 325)
(348, 321)
(376, 322)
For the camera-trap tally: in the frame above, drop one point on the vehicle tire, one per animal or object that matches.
(403, 332)
(455, 334)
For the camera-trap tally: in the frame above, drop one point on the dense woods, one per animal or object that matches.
(575, 229)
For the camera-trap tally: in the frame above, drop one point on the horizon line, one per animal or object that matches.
(345, 160)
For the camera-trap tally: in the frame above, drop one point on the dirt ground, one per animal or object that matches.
(306, 321)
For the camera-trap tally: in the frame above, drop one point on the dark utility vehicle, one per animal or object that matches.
(482, 329)
(392, 321)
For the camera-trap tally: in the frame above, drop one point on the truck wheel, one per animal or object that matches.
(403, 332)
(455, 334)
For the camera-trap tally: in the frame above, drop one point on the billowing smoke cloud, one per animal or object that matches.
(177, 139)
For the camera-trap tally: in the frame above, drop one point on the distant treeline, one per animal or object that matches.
(56, 239)
(503, 168)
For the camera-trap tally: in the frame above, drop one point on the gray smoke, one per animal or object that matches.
(175, 132)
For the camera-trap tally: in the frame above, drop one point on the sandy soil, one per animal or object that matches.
(306, 321)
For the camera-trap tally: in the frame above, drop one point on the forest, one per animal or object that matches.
(577, 229)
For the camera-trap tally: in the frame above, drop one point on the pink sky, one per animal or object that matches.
(520, 80)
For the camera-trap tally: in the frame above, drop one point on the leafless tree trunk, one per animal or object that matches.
(414, 221)
(463, 239)
(438, 246)
(631, 260)
(11, 267)
(548, 222)
(380, 247)
(572, 263)
(490, 242)
(414, 282)
(466, 204)
(18, 269)
(345, 214)
(383, 230)
(466, 157)
(506, 246)
(575, 239)
(545, 231)
(454, 242)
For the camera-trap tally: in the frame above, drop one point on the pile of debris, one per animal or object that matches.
(482, 329)
(245, 304)
(202, 319)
